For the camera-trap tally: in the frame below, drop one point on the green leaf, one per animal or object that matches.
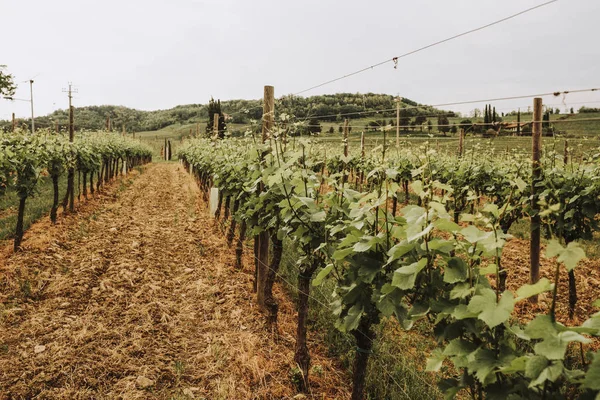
(490, 312)
(341, 254)
(404, 277)
(550, 373)
(399, 250)
(446, 225)
(490, 269)
(553, 248)
(474, 235)
(526, 291)
(461, 290)
(455, 271)
(482, 363)
(571, 255)
(352, 319)
(592, 377)
(435, 361)
(318, 216)
(363, 246)
(322, 275)
(535, 366)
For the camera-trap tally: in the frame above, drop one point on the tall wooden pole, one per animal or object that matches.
(215, 126)
(346, 137)
(461, 142)
(536, 171)
(362, 144)
(398, 100)
(71, 174)
(268, 122)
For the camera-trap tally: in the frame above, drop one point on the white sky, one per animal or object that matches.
(157, 54)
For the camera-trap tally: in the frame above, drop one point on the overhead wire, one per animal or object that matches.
(396, 58)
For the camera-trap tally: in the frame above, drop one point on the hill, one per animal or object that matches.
(332, 107)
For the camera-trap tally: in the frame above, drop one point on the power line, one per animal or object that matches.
(395, 59)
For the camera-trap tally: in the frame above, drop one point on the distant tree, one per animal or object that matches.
(494, 115)
(404, 118)
(314, 126)
(466, 124)
(340, 129)
(557, 111)
(443, 123)
(486, 115)
(420, 120)
(429, 126)
(214, 107)
(546, 120)
(453, 128)
(572, 112)
(331, 130)
(7, 83)
(476, 113)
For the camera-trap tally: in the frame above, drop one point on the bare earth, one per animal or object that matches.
(136, 297)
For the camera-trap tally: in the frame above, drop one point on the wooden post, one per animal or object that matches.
(362, 144)
(536, 171)
(124, 132)
(346, 137)
(71, 174)
(14, 122)
(57, 128)
(461, 142)
(566, 153)
(215, 126)
(263, 238)
(398, 100)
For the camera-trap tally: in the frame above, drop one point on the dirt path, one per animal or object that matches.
(136, 297)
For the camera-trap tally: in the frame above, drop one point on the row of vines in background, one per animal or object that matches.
(97, 157)
(415, 235)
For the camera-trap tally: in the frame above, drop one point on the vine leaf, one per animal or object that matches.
(322, 275)
(569, 256)
(526, 291)
(492, 313)
(592, 378)
(404, 277)
(455, 271)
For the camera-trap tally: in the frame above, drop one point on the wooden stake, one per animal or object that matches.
(263, 238)
(461, 142)
(215, 126)
(398, 100)
(346, 138)
(536, 171)
(362, 144)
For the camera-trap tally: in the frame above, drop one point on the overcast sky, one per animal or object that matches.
(157, 54)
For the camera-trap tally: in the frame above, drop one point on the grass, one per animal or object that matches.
(395, 368)
(35, 207)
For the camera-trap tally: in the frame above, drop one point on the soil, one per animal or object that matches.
(136, 297)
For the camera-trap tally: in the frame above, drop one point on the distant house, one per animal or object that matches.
(512, 126)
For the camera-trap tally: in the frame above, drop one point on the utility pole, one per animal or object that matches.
(31, 94)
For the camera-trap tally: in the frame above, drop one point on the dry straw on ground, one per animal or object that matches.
(136, 297)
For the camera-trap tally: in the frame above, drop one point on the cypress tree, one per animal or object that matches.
(494, 115)
(486, 118)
